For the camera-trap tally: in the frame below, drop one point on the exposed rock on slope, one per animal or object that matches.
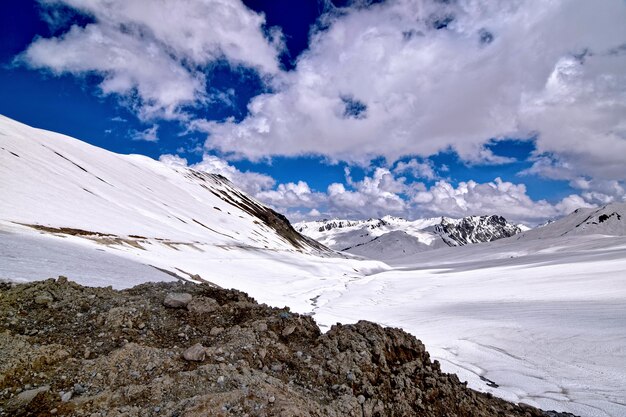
(74, 350)
(475, 229)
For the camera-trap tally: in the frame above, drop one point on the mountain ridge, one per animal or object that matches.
(354, 236)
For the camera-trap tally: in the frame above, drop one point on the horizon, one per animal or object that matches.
(352, 109)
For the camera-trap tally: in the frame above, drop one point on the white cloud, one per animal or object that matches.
(500, 68)
(497, 197)
(286, 197)
(417, 169)
(152, 54)
(149, 135)
(382, 193)
(375, 195)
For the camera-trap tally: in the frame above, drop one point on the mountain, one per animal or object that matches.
(609, 219)
(69, 208)
(58, 184)
(368, 237)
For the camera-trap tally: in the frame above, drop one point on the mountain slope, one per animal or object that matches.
(53, 180)
(62, 196)
(609, 219)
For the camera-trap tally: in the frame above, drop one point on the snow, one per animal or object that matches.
(541, 314)
(548, 327)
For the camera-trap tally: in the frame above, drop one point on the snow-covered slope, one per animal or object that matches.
(363, 237)
(59, 182)
(56, 190)
(539, 317)
(609, 219)
(391, 245)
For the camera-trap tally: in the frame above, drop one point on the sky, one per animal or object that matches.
(349, 109)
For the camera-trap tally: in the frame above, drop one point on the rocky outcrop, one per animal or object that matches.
(100, 352)
(475, 229)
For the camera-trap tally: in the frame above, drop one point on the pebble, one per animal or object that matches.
(196, 353)
(66, 396)
(271, 399)
(360, 399)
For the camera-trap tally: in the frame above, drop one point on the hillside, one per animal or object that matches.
(71, 208)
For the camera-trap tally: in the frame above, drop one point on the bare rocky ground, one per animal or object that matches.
(174, 349)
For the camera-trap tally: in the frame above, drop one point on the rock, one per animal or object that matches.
(360, 399)
(271, 399)
(177, 299)
(79, 389)
(196, 353)
(203, 305)
(66, 396)
(216, 330)
(26, 397)
(44, 299)
(288, 330)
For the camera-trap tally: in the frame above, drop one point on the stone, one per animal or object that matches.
(66, 396)
(177, 299)
(196, 353)
(44, 299)
(216, 330)
(288, 330)
(26, 397)
(203, 305)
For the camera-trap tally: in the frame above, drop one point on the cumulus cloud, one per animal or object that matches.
(375, 195)
(417, 169)
(495, 197)
(429, 76)
(383, 192)
(153, 54)
(290, 196)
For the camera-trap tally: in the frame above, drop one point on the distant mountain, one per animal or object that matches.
(391, 237)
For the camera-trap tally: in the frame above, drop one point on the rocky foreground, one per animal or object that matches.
(195, 350)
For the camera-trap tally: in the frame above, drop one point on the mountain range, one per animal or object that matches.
(533, 316)
(391, 237)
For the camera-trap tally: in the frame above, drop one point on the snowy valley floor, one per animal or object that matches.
(537, 322)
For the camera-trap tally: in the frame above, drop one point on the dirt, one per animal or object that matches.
(176, 349)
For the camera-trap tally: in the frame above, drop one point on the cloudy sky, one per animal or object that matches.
(341, 108)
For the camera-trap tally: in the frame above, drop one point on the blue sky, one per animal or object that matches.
(345, 108)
